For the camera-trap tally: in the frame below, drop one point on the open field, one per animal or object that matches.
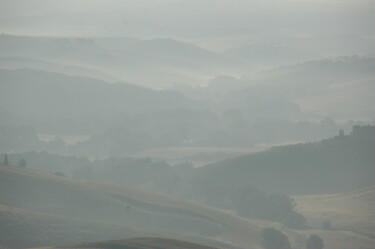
(352, 217)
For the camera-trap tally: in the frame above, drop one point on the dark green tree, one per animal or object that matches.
(314, 242)
(295, 220)
(251, 202)
(274, 239)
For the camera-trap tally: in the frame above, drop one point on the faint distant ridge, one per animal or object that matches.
(154, 63)
(45, 92)
(339, 164)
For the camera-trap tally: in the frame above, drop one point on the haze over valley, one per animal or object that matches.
(187, 124)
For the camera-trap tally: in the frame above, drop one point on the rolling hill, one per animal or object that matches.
(348, 211)
(60, 206)
(351, 99)
(85, 95)
(17, 62)
(22, 228)
(338, 87)
(81, 102)
(43, 209)
(336, 165)
(154, 63)
(350, 217)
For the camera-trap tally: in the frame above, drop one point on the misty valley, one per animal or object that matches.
(173, 124)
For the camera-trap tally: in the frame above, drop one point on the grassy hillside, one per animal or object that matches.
(21, 228)
(146, 213)
(139, 243)
(351, 215)
(41, 209)
(352, 211)
(336, 165)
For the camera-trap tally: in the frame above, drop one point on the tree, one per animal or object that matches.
(22, 163)
(251, 202)
(6, 161)
(274, 239)
(314, 242)
(295, 220)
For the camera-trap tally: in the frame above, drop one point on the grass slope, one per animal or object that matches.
(352, 216)
(351, 211)
(144, 212)
(21, 228)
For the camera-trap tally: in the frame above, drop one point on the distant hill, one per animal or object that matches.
(312, 78)
(154, 63)
(52, 90)
(51, 204)
(340, 164)
(17, 62)
(65, 101)
(352, 99)
(339, 87)
(271, 54)
(139, 243)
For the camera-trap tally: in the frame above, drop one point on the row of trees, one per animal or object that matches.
(21, 163)
(247, 201)
(254, 203)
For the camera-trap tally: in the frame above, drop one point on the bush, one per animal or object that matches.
(314, 242)
(295, 220)
(274, 239)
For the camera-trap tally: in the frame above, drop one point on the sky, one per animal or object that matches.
(216, 25)
(182, 18)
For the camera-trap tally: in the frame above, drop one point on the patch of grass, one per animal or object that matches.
(352, 217)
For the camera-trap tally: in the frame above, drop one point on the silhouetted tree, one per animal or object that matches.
(274, 239)
(6, 161)
(314, 242)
